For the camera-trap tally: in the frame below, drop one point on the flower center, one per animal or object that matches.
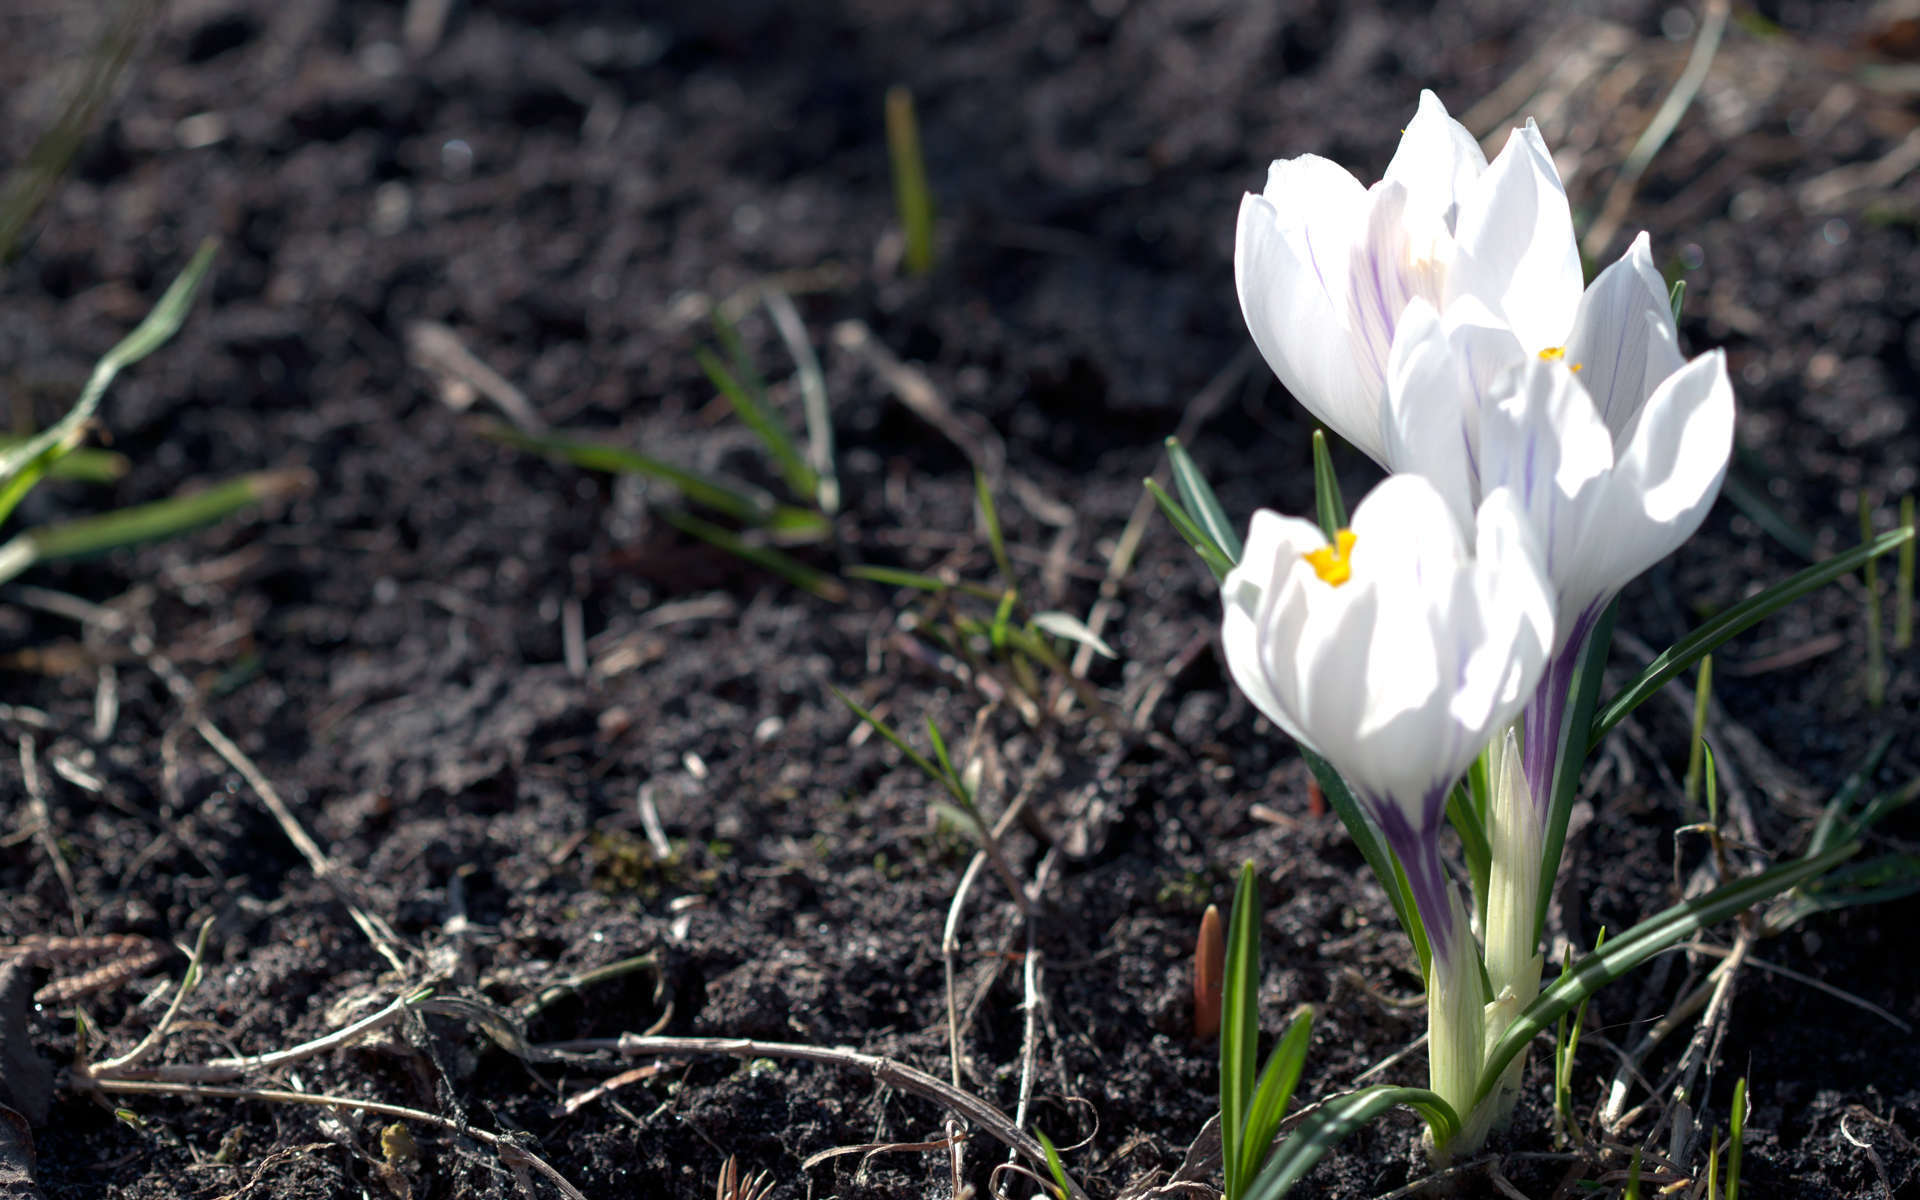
(1333, 564)
(1559, 354)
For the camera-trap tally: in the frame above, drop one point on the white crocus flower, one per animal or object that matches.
(1326, 268)
(1614, 445)
(1396, 652)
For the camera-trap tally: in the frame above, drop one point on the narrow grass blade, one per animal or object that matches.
(950, 776)
(1239, 1025)
(1373, 848)
(753, 411)
(1876, 881)
(1903, 581)
(1607, 963)
(66, 460)
(1334, 1120)
(899, 743)
(29, 185)
(1676, 297)
(1710, 636)
(16, 487)
(1002, 614)
(1832, 827)
(1054, 1166)
(743, 369)
(912, 198)
(145, 522)
(152, 333)
(82, 465)
(1702, 696)
(1582, 690)
(749, 506)
(1329, 505)
(813, 396)
(1870, 575)
(1562, 1069)
(1754, 505)
(1736, 1136)
(990, 520)
(1268, 1107)
(896, 577)
(1190, 531)
(787, 567)
(1566, 1047)
(1197, 495)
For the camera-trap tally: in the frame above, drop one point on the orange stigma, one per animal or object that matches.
(1334, 563)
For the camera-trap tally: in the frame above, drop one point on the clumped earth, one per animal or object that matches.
(569, 195)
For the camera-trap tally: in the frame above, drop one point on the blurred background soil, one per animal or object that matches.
(566, 192)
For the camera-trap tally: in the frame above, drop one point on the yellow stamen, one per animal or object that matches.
(1334, 563)
(1556, 354)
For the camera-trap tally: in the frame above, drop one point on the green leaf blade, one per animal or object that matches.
(1268, 1108)
(1197, 495)
(1334, 1120)
(1329, 505)
(1642, 942)
(1736, 620)
(1239, 1025)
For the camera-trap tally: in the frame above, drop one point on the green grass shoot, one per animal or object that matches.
(787, 567)
(1054, 1166)
(1329, 506)
(1870, 575)
(139, 523)
(990, 521)
(1903, 581)
(1650, 937)
(1189, 530)
(1197, 495)
(912, 198)
(1732, 622)
(1252, 1110)
(29, 185)
(747, 396)
(1702, 699)
(786, 523)
(83, 465)
(813, 396)
(1736, 1137)
(1566, 1044)
(52, 443)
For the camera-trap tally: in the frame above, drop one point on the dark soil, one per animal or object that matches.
(569, 194)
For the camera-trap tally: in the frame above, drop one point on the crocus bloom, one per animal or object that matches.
(1612, 443)
(1326, 268)
(1396, 652)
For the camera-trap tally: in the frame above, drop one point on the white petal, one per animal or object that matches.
(1668, 476)
(1623, 337)
(1404, 528)
(1516, 244)
(1336, 696)
(1544, 441)
(1514, 594)
(1440, 375)
(1263, 607)
(1290, 266)
(1437, 161)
